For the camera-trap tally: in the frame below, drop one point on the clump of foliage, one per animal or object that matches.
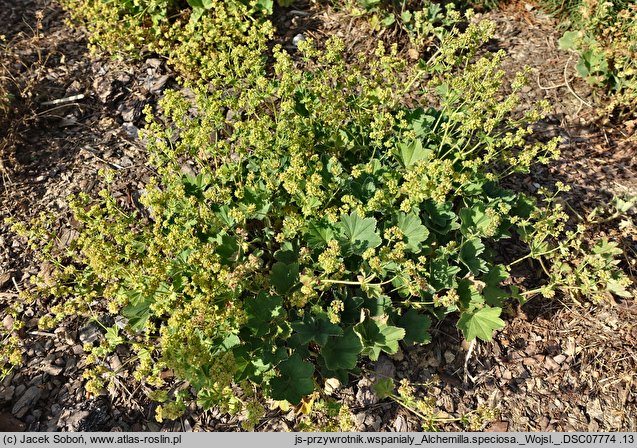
(424, 22)
(420, 19)
(327, 219)
(604, 35)
(190, 35)
(326, 222)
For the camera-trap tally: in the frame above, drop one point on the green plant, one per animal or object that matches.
(171, 28)
(327, 220)
(424, 22)
(604, 36)
(424, 407)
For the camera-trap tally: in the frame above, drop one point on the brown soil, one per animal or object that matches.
(556, 366)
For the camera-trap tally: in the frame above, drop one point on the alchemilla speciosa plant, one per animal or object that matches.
(338, 206)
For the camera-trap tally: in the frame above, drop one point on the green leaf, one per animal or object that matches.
(377, 304)
(287, 253)
(341, 352)
(384, 387)
(378, 336)
(230, 341)
(261, 311)
(616, 288)
(607, 249)
(567, 41)
(358, 234)
(470, 256)
(439, 217)
(294, 381)
(267, 6)
(443, 275)
(317, 329)
(369, 4)
(498, 273)
(470, 297)
(255, 204)
(413, 230)
(284, 276)
(475, 221)
(227, 248)
(250, 360)
(493, 294)
(416, 327)
(112, 336)
(223, 213)
(352, 311)
(480, 323)
(196, 185)
(318, 233)
(388, 20)
(138, 309)
(410, 153)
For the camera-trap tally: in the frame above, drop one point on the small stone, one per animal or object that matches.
(296, 40)
(376, 423)
(72, 419)
(68, 336)
(7, 380)
(125, 162)
(398, 356)
(499, 426)
(7, 322)
(369, 419)
(594, 410)
(153, 62)
(449, 356)
(432, 360)
(131, 130)
(129, 114)
(26, 401)
(331, 385)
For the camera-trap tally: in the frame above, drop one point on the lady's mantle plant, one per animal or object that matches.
(335, 210)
